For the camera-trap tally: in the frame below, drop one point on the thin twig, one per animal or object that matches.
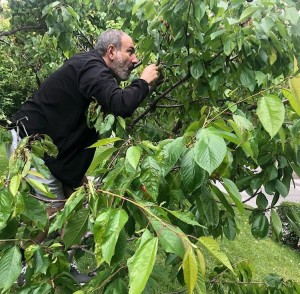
(161, 96)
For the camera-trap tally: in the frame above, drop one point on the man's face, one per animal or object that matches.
(125, 59)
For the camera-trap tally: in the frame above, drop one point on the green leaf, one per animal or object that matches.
(107, 228)
(105, 141)
(40, 187)
(186, 217)
(133, 155)
(294, 221)
(41, 261)
(140, 266)
(150, 176)
(219, 194)
(229, 228)
(117, 286)
(282, 189)
(35, 211)
(273, 281)
(171, 153)
(6, 207)
(76, 228)
(40, 166)
(122, 122)
(200, 285)
(261, 201)
(192, 175)
(294, 95)
(229, 45)
(190, 269)
(210, 149)
(102, 155)
(169, 237)
(197, 69)
(247, 77)
(208, 206)
(200, 9)
(270, 111)
(15, 184)
(214, 248)
(292, 15)
(242, 123)
(276, 224)
(10, 267)
(247, 13)
(234, 193)
(260, 224)
(72, 203)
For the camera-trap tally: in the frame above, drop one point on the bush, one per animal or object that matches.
(288, 211)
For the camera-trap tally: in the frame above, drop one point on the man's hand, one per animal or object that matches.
(150, 74)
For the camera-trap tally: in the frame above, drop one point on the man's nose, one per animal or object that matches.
(134, 59)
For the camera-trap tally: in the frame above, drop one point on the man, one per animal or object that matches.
(58, 108)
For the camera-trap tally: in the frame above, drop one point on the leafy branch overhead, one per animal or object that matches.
(165, 184)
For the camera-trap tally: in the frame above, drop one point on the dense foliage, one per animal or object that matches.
(224, 121)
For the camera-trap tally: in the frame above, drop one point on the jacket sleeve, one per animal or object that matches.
(96, 80)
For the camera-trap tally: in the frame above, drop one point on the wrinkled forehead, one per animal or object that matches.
(127, 42)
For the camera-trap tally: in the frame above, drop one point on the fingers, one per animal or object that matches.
(151, 73)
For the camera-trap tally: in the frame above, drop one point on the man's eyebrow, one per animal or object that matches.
(131, 48)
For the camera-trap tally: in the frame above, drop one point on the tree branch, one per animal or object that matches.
(24, 28)
(153, 105)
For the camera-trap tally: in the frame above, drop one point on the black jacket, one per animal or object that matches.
(58, 108)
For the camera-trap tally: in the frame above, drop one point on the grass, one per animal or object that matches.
(265, 255)
(3, 159)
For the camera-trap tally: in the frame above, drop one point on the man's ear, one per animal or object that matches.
(111, 52)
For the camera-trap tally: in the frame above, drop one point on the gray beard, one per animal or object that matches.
(119, 69)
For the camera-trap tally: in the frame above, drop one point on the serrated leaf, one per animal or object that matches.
(234, 193)
(10, 267)
(169, 238)
(200, 285)
(150, 176)
(210, 150)
(171, 153)
(242, 123)
(192, 175)
(214, 248)
(140, 266)
(105, 141)
(107, 228)
(76, 228)
(270, 111)
(190, 269)
(133, 155)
